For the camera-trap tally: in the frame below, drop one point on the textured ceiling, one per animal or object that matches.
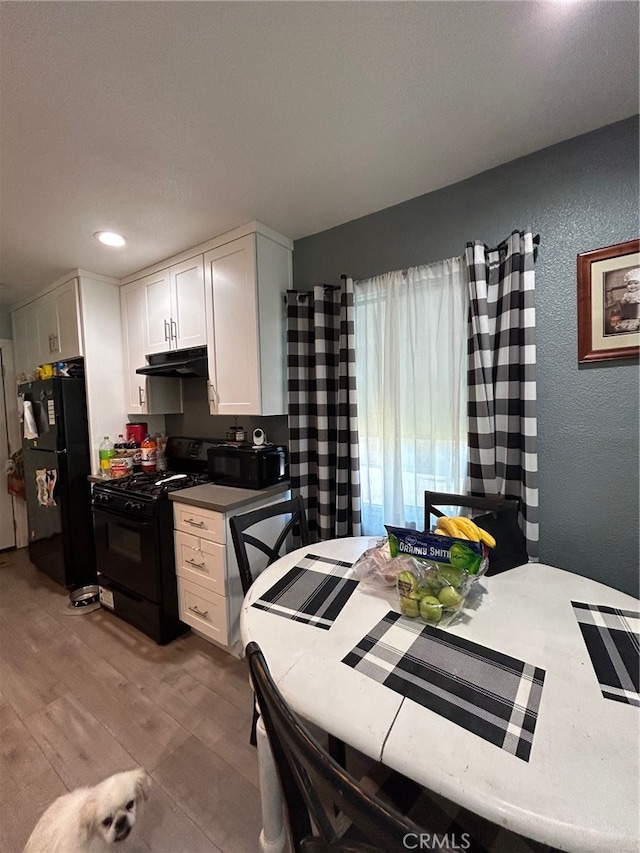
(176, 121)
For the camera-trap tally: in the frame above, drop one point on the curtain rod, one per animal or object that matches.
(536, 243)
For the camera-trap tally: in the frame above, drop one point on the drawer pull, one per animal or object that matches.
(203, 613)
(193, 563)
(194, 523)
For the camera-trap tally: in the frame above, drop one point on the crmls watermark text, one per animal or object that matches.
(427, 841)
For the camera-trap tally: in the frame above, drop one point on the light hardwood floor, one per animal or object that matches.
(84, 696)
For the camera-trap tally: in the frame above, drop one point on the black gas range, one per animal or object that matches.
(140, 494)
(133, 525)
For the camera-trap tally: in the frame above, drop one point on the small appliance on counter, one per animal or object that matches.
(247, 467)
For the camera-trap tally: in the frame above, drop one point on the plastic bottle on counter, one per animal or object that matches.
(105, 452)
(148, 454)
(133, 450)
(120, 445)
(161, 456)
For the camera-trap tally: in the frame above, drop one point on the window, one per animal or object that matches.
(411, 345)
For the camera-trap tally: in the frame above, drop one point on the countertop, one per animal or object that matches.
(225, 498)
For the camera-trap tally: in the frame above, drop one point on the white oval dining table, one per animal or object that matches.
(578, 790)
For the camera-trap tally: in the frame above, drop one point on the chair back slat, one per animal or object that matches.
(314, 785)
(296, 525)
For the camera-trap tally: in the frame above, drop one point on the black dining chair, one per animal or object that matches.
(296, 526)
(294, 533)
(316, 788)
(498, 516)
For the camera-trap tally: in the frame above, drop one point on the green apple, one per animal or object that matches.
(430, 609)
(407, 582)
(451, 574)
(410, 606)
(450, 597)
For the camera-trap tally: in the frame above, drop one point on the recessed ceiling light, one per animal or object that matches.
(110, 238)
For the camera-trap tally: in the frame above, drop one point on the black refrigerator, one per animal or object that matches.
(57, 463)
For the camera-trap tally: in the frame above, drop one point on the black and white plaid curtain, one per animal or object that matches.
(323, 434)
(503, 457)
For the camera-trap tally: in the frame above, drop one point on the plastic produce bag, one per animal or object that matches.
(436, 575)
(376, 568)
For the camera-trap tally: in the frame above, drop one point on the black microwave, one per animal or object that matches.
(247, 467)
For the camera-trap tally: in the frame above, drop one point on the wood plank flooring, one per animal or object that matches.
(84, 696)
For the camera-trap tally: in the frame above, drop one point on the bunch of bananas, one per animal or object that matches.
(461, 527)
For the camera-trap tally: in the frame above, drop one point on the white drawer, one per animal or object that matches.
(201, 522)
(201, 561)
(203, 610)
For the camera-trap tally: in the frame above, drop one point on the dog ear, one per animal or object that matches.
(143, 783)
(88, 814)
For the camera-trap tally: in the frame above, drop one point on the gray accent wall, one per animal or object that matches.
(578, 195)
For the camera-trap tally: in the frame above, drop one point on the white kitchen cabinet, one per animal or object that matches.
(26, 344)
(174, 307)
(144, 395)
(58, 323)
(47, 329)
(79, 315)
(210, 592)
(245, 283)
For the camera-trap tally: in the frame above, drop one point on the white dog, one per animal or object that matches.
(89, 820)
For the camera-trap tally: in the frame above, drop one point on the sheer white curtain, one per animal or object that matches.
(411, 375)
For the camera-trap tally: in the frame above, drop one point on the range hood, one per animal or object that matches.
(181, 363)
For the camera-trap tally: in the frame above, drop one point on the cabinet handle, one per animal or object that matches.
(140, 395)
(167, 331)
(174, 329)
(56, 345)
(193, 563)
(203, 613)
(213, 395)
(50, 343)
(194, 523)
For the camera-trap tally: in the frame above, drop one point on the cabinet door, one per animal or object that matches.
(67, 343)
(157, 300)
(48, 334)
(132, 304)
(188, 327)
(232, 328)
(26, 344)
(144, 395)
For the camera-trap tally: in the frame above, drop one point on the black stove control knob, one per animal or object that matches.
(101, 498)
(132, 506)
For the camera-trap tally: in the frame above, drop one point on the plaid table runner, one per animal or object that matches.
(612, 638)
(310, 596)
(486, 692)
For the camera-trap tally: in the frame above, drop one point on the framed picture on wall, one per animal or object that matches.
(609, 302)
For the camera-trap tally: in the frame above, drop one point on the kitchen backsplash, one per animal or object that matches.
(197, 422)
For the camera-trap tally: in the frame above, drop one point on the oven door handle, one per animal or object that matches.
(129, 522)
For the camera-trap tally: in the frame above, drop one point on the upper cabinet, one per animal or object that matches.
(245, 283)
(47, 329)
(144, 395)
(227, 294)
(174, 307)
(79, 316)
(58, 323)
(26, 344)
